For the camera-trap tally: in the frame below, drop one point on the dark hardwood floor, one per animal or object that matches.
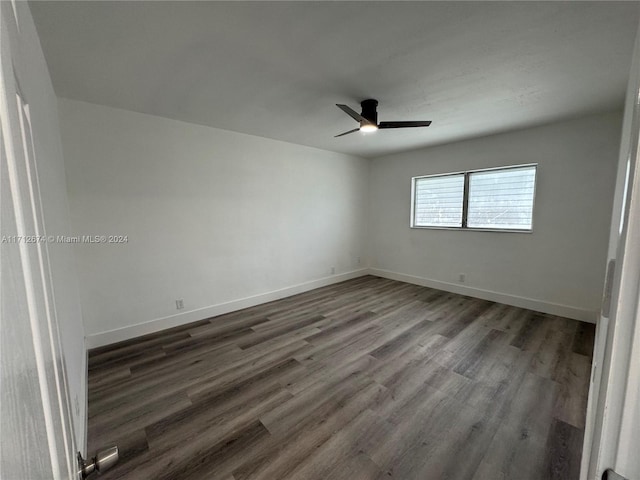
(367, 379)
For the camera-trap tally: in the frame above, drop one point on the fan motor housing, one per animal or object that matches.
(370, 110)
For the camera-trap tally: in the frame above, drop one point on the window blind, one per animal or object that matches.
(438, 201)
(502, 198)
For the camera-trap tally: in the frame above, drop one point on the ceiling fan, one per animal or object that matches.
(369, 118)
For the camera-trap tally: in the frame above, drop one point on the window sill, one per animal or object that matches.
(467, 229)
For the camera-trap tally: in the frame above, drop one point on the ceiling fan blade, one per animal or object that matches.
(347, 133)
(352, 113)
(403, 124)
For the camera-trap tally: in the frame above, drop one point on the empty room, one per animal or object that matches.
(320, 240)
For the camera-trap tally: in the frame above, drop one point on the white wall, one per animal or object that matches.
(220, 219)
(559, 268)
(31, 68)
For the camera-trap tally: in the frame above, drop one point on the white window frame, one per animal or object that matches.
(465, 200)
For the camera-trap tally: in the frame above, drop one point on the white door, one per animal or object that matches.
(612, 432)
(36, 440)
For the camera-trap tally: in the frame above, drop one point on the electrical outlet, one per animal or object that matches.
(333, 270)
(358, 260)
(180, 304)
(76, 405)
(462, 277)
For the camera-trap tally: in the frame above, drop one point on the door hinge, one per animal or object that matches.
(608, 287)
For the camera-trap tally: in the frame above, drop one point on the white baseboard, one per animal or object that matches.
(567, 311)
(152, 326)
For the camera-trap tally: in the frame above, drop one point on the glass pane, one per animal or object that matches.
(438, 201)
(502, 198)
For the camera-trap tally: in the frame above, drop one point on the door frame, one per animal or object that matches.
(614, 396)
(36, 413)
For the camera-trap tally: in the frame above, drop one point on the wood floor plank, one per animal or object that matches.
(518, 449)
(584, 338)
(211, 459)
(333, 460)
(290, 448)
(573, 389)
(463, 441)
(553, 354)
(140, 343)
(497, 383)
(418, 422)
(563, 451)
(366, 379)
(322, 397)
(478, 355)
(131, 417)
(131, 446)
(251, 396)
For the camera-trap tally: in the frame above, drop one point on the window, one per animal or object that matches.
(438, 201)
(493, 199)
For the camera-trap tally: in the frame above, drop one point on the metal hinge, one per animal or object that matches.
(608, 287)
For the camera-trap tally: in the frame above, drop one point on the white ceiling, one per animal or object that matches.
(277, 69)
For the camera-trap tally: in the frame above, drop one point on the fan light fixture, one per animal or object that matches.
(368, 119)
